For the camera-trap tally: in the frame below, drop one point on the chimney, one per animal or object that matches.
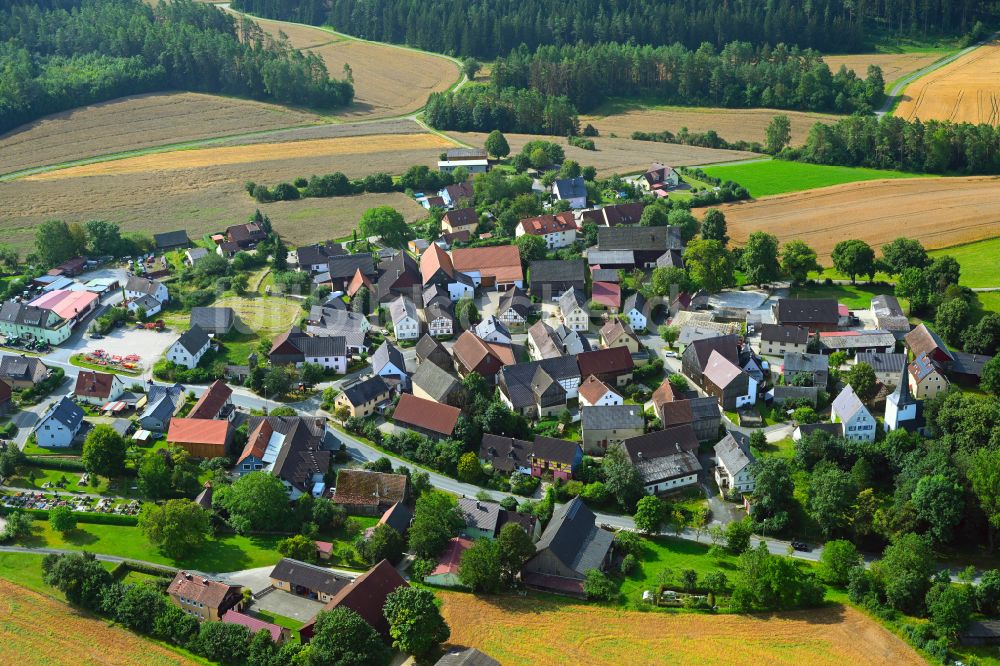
(479, 505)
(639, 455)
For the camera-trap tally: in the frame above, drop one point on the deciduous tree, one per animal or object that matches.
(178, 528)
(709, 264)
(713, 226)
(760, 258)
(104, 452)
(415, 622)
(853, 258)
(798, 260)
(387, 223)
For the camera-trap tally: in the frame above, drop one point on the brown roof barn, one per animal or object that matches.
(366, 597)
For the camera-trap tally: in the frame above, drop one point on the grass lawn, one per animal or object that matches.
(663, 553)
(53, 476)
(268, 315)
(978, 261)
(834, 274)
(281, 621)
(989, 300)
(855, 297)
(237, 347)
(778, 176)
(784, 448)
(31, 448)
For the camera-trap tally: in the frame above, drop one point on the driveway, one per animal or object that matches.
(287, 604)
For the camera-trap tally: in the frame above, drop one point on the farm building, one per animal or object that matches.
(571, 545)
(206, 599)
(202, 438)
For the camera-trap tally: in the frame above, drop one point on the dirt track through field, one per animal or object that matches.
(966, 90)
(619, 156)
(939, 212)
(232, 155)
(535, 632)
(730, 124)
(37, 630)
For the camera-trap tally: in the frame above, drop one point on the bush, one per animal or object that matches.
(55, 463)
(629, 564)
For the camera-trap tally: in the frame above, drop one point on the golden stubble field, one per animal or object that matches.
(966, 90)
(939, 212)
(894, 65)
(618, 155)
(37, 630)
(730, 124)
(534, 632)
(134, 123)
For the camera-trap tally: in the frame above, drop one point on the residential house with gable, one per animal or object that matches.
(514, 308)
(60, 425)
(571, 545)
(436, 268)
(485, 519)
(674, 408)
(725, 380)
(289, 448)
(550, 278)
(814, 314)
(363, 397)
(497, 267)
(491, 329)
(206, 599)
(572, 190)
(507, 454)
(607, 426)
(925, 378)
(666, 460)
(460, 219)
(557, 458)
(659, 178)
(573, 310)
(405, 321)
(161, 404)
(315, 258)
(97, 388)
(776, 340)
(734, 465)
(617, 333)
(547, 342)
(557, 230)
(429, 418)
(473, 354)
(613, 365)
(215, 403)
(432, 382)
(848, 410)
(634, 309)
(189, 348)
(366, 596)
(522, 386)
(388, 363)
(595, 393)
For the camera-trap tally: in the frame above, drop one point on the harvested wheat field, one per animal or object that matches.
(621, 156)
(388, 80)
(35, 629)
(730, 124)
(938, 212)
(894, 65)
(507, 629)
(966, 90)
(134, 123)
(251, 154)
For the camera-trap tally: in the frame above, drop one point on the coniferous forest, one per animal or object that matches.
(60, 54)
(490, 28)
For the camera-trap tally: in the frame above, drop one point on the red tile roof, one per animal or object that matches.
(449, 560)
(366, 597)
(593, 389)
(432, 259)
(197, 587)
(607, 294)
(548, 224)
(426, 414)
(252, 623)
(502, 262)
(198, 431)
(617, 360)
(93, 384)
(257, 442)
(211, 401)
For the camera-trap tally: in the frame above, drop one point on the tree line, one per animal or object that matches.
(59, 55)
(488, 29)
(738, 75)
(482, 108)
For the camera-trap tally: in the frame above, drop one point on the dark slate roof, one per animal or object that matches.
(835, 429)
(365, 390)
(611, 417)
(671, 465)
(24, 315)
(515, 299)
(798, 362)
(635, 302)
(466, 657)
(573, 537)
(430, 349)
(399, 271)
(605, 275)
(557, 270)
(570, 299)
(308, 576)
(326, 347)
(571, 187)
(887, 305)
(968, 364)
(171, 239)
(22, 367)
(661, 443)
(344, 266)
(733, 455)
(65, 411)
(808, 310)
(386, 354)
(506, 453)
(479, 514)
(883, 362)
(213, 318)
(398, 517)
(645, 239)
(597, 257)
(435, 381)
(777, 333)
(556, 450)
(726, 345)
(517, 378)
(193, 339)
(318, 253)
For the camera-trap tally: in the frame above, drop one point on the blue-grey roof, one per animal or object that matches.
(386, 354)
(193, 340)
(66, 412)
(611, 417)
(570, 188)
(573, 537)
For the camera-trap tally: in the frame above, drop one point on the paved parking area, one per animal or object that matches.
(149, 345)
(287, 604)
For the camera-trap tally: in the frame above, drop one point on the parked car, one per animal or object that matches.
(670, 354)
(801, 546)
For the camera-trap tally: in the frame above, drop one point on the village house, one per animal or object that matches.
(369, 493)
(363, 397)
(617, 333)
(171, 240)
(547, 342)
(572, 190)
(388, 363)
(213, 320)
(642, 246)
(507, 454)
(316, 257)
(925, 378)
(215, 403)
(459, 193)
(439, 313)
(607, 294)
(278, 634)
(674, 409)
(60, 425)
(189, 348)
(289, 448)
(429, 349)
(194, 255)
(734, 466)
(136, 287)
(659, 178)
(437, 268)
(460, 219)
(398, 517)
(923, 341)
(395, 275)
(557, 230)
(887, 367)
(297, 348)
(728, 382)
(814, 314)
(815, 366)
(472, 354)
(607, 426)
(449, 563)
(889, 315)
(206, 599)
(324, 322)
(571, 545)
(98, 388)
(202, 438)
(485, 519)
(550, 278)
(614, 215)
(306, 580)
(70, 304)
(524, 389)
(514, 308)
(426, 417)
(22, 371)
(634, 309)
(613, 365)
(405, 322)
(666, 460)
(857, 421)
(555, 458)
(340, 271)
(366, 596)
(595, 393)
(778, 340)
(245, 235)
(491, 329)
(497, 267)
(573, 310)
(432, 382)
(159, 406)
(473, 160)
(866, 341)
(34, 323)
